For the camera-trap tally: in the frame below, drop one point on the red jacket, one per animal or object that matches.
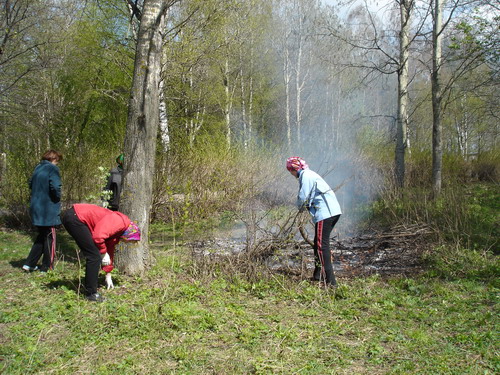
(106, 227)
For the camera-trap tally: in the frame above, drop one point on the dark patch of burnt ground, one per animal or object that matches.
(397, 251)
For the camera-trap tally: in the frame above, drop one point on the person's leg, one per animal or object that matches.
(36, 250)
(318, 270)
(322, 243)
(325, 247)
(83, 238)
(49, 248)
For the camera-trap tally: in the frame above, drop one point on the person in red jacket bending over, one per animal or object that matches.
(96, 231)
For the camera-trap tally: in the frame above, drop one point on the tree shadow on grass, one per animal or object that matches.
(74, 283)
(17, 263)
(77, 284)
(66, 249)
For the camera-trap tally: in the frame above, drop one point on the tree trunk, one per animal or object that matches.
(299, 84)
(286, 80)
(437, 136)
(140, 140)
(402, 120)
(229, 102)
(243, 105)
(250, 99)
(165, 136)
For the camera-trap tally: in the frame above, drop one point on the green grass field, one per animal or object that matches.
(174, 321)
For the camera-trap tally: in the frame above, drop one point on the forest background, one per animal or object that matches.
(245, 84)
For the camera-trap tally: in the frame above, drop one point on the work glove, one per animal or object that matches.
(109, 281)
(106, 260)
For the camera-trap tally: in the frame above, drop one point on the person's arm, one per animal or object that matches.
(109, 281)
(110, 248)
(109, 226)
(109, 181)
(305, 191)
(108, 267)
(322, 186)
(55, 184)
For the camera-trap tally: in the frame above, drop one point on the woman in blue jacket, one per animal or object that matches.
(45, 208)
(320, 200)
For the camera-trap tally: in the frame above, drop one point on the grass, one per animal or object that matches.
(171, 322)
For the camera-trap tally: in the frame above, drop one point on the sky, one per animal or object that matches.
(375, 6)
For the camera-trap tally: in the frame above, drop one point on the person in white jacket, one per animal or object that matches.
(320, 200)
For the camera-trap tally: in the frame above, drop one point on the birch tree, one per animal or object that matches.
(437, 129)
(405, 8)
(380, 55)
(473, 46)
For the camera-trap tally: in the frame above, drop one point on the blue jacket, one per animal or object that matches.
(45, 203)
(317, 196)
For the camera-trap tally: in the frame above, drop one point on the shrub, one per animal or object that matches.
(487, 167)
(455, 262)
(196, 183)
(467, 215)
(14, 191)
(418, 168)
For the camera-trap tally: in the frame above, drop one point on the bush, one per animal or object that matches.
(467, 215)
(487, 167)
(455, 169)
(14, 191)
(418, 168)
(197, 183)
(81, 175)
(455, 262)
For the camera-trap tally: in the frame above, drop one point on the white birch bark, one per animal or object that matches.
(405, 7)
(229, 102)
(164, 133)
(287, 80)
(243, 105)
(437, 131)
(250, 98)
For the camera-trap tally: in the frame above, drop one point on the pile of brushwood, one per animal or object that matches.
(397, 250)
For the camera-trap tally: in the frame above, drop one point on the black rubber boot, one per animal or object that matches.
(317, 273)
(95, 297)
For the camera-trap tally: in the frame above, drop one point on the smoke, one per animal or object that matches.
(325, 113)
(350, 175)
(333, 117)
(349, 172)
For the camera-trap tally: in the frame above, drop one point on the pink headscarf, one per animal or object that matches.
(296, 163)
(132, 233)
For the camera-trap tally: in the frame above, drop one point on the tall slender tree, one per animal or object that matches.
(405, 8)
(437, 129)
(375, 42)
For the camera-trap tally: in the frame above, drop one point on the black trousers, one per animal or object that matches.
(323, 269)
(81, 233)
(45, 244)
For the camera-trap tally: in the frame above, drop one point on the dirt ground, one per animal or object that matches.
(387, 253)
